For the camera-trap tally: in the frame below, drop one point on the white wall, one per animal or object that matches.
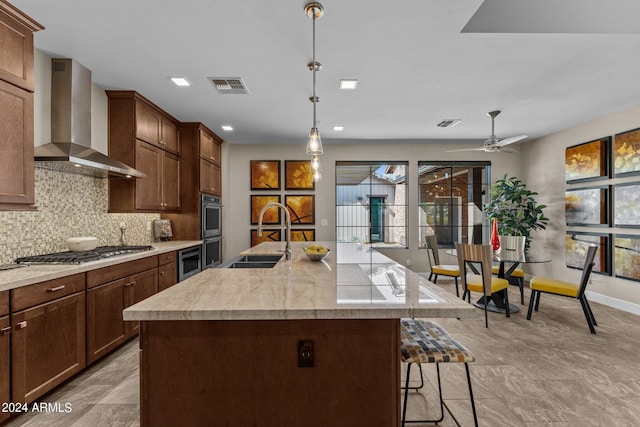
(236, 176)
(544, 171)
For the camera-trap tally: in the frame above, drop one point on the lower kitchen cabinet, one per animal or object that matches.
(48, 346)
(167, 274)
(106, 329)
(5, 384)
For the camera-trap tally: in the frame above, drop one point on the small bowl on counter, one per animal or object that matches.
(79, 244)
(316, 252)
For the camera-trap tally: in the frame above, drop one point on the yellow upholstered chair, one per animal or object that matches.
(566, 289)
(438, 269)
(425, 341)
(513, 243)
(478, 259)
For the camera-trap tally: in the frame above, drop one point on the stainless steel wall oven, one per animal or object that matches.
(211, 231)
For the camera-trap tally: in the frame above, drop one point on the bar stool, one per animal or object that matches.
(425, 341)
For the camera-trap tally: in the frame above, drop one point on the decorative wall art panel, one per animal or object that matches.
(265, 174)
(306, 235)
(626, 250)
(627, 205)
(587, 206)
(302, 208)
(271, 215)
(267, 236)
(626, 153)
(298, 175)
(577, 244)
(588, 161)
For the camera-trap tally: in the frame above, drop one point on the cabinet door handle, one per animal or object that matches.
(162, 273)
(5, 331)
(57, 288)
(130, 284)
(21, 325)
(212, 158)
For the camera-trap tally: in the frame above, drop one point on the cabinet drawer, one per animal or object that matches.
(31, 295)
(167, 258)
(4, 303)
(118, 271)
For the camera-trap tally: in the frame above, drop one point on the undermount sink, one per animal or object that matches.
(253, 261)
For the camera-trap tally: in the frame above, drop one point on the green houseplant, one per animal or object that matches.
(515, 209)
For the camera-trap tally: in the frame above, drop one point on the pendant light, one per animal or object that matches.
(314, 145)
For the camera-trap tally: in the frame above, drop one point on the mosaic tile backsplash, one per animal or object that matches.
(69, 205)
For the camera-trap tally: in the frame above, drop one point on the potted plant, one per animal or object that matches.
(515, 209)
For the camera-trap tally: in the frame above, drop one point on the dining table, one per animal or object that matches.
(509, 260)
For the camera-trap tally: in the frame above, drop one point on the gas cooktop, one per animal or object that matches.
(72, 257)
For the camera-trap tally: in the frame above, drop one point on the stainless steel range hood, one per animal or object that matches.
(70, 146)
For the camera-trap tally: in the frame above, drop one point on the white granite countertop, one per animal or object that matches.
(18, 277)
(352, 282)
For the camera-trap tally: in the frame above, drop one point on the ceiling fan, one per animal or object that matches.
(493, 144)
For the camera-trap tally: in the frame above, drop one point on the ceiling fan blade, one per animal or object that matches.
(467, 149)
(506, 150)
(510, 140)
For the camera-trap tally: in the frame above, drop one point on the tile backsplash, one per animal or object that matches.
(69, 205)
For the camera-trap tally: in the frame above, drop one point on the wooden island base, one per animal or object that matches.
(245, 373)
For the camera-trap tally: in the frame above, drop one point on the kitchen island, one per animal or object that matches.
(302, 343)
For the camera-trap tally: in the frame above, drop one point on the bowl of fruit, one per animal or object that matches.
(316, 252)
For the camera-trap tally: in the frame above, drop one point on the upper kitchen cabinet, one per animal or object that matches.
(155, 128)
(210, 147)
(16, 108)
(143, 135)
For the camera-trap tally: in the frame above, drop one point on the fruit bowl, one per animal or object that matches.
(316, 252)
(78, 244)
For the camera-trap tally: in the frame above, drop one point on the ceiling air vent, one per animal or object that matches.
(448, 123)
(229, 85)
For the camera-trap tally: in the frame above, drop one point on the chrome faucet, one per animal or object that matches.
(287, 219)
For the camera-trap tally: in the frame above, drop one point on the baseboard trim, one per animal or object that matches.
(613, 302)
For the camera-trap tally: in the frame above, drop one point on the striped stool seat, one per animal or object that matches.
(425, 341)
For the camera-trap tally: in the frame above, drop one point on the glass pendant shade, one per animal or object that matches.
(316, 176)
(315, 163)
(314, 145)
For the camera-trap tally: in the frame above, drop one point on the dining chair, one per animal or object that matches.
(437, 268)
(425, 341)
(513, 243)
(566, 289)
(478, 259)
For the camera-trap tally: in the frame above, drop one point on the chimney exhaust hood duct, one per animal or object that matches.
(70, 146)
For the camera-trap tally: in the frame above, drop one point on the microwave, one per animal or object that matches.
(211, 216)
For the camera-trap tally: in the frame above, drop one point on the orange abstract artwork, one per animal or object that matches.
(271, 215)
(301, 209)
(298, 175)
(303, 235)
(586, 161)
(267, 236)
(265, 174)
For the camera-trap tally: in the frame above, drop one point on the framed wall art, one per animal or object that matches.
(626, 153)
(627, 205)
(577, 244)
(271, 215)
(298, 175)
(303, 235)
(587, 206)
(265, 174)
(626, 250)
(267, 236)
(588, 161)
(302, 208)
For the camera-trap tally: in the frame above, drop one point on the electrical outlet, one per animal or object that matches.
(409, 262)
(324, 222)
(306, 355)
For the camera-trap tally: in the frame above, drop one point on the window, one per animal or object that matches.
(451, 199)
(371, 203)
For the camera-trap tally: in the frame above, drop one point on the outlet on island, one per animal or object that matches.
(306, 355)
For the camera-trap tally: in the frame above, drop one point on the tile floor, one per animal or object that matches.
(548, 372)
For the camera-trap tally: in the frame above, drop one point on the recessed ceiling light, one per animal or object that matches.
(227, 128)
(348, 83)
(180, 81)
(338, 128)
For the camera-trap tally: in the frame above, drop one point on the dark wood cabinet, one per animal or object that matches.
(48, 346)
(210, 149)
(109, 291)
(5, 333)
(210, 178)
(143, 135)
(16, 108)
(167, 270)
